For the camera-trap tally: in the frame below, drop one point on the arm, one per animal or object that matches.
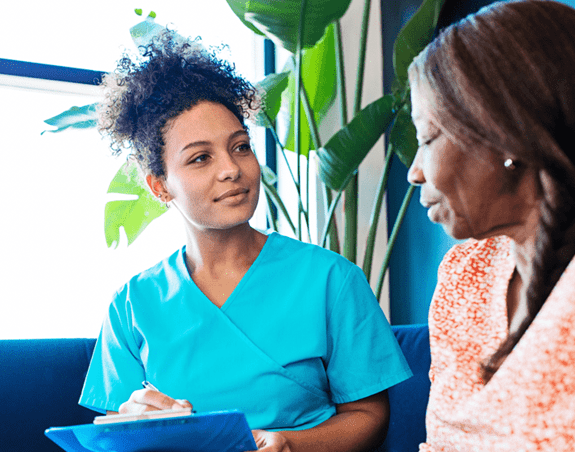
(358, 426)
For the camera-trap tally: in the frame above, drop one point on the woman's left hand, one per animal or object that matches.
(270, 441)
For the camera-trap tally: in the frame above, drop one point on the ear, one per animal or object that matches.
(157, 186)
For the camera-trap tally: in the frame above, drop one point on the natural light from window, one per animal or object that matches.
(57, 275)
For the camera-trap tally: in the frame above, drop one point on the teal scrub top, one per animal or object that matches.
(300, 333)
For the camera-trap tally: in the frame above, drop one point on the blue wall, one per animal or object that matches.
(418, 251)
(420, 245)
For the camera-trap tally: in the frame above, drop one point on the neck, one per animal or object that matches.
(211, 249)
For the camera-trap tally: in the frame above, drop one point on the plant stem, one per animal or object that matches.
(329, 219)
(272, 193)
(352, 190)
(375, 213)
(361, 60)
(340, 75)
(393, 238)
(332, 231)
(297, 112)
(350, 219)
(270, 213)
(271, 127)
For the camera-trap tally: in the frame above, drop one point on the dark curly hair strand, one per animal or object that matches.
(170, 77)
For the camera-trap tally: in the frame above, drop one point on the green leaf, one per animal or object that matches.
(133, 215)
(342, 154)
(320, 83)
(143, 32)
(138, 11)
(402, 137)
(239, 9)
(76, 117)
(414, 36)
(272, 88)
(268, 176)
(279, 19)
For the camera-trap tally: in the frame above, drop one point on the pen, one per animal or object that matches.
(147, 385)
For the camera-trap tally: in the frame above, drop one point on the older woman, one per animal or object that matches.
(494, 107)
(287, 332)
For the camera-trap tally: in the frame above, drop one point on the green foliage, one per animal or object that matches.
(279, 19)
(339, 159)
(272, 88)
(413, 38)
(318, 76)
(75, 117)
(402, 137)
(133, 215)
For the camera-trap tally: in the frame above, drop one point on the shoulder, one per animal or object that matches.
(289, 249)
(154, 280)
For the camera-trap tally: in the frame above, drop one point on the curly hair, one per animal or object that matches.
(499, 87)
(171, 76)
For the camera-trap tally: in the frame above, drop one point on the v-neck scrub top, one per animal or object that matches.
(301, 332)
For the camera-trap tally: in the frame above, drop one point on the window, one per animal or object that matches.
(58, 276)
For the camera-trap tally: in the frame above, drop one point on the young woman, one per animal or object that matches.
(493, 102)
(287, 332)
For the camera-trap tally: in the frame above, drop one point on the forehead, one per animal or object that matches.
(421, 103)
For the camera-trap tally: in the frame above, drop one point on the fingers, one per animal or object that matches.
(144, 400)
(270, 441)
(184, 403)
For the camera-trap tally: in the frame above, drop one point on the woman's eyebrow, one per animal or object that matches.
(206, 143)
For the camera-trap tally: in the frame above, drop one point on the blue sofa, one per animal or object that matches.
(41, 380)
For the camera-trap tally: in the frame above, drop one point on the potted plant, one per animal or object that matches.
(310, 30)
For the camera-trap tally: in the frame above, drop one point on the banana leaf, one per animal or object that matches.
(339, 159)
(75, 117)
(279, 19)
(403, 136)
(272, 88)
(319, 79)
(414, 36)
(133, 215)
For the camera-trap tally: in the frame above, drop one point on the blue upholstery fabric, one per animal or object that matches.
(41, 380)
(408, 400)
(40, 383)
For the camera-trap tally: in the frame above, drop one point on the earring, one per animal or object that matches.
(509, 164)
(165, 202)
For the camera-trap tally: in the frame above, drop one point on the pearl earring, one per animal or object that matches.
(509, 164)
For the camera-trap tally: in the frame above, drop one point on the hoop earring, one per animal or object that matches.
(166, 203)
(509, 164)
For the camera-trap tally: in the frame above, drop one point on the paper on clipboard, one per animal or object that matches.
(219, 431)
(160, 414)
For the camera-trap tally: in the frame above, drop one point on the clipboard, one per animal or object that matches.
(216, 431)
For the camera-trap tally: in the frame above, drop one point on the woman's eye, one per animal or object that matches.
(244, 147)
(427, 142)
(199, 159)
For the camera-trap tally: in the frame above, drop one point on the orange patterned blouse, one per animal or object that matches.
(529, 404)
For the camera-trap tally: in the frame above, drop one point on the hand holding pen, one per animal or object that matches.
(151, 399)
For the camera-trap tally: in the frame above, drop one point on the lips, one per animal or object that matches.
(232, 192)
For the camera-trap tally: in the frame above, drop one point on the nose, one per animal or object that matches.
(415, 173)
(229, 168)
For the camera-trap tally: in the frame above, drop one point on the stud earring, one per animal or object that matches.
(509, 164)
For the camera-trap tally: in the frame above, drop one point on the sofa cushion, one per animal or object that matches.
(408, 400)
(41, 380)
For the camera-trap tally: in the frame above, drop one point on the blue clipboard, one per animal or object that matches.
(217, 431)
